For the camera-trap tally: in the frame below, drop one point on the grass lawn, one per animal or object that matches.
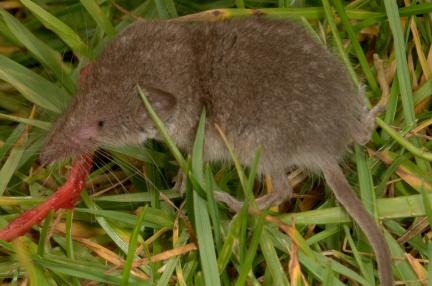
(131, 228)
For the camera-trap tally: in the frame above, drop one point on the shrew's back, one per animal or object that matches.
(271, 81)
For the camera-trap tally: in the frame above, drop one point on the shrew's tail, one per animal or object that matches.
(355, 208)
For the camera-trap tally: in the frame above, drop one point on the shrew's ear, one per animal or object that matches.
(161, 101)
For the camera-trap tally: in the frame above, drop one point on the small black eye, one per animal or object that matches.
(101, 123)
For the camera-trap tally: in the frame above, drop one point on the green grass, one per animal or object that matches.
(133, 231)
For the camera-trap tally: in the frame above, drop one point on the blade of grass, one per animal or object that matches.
(253, 169)
(43, 234)
(154, 218)
(69, 245)
(33, 87)
(245, 267)
(34, 272)
(198, 150)
(212, 206)
(99, 16)
(203, 227)
(341, 10)
(408, 171)
(132, 248)
(160, 126)
(316, 263)
(239, 169)
(341, 51)
(240, 4)
(205, 242)
(134, 197)
(429, 267)
(10, 167)
(357, 256)
(69, 241)
(230, 241)
(401, 62)
(418, 152)
(82, 269)
(8, 144)
(427, 204)
(389, 208)
(31, 122)
(141, 153)
(401, 267)
(106, 225)
(273, 262)
(166, 9)
(367, 188)
(201, 215)
(173, 263)
(48, 57)
(310, 13)
(61, 29)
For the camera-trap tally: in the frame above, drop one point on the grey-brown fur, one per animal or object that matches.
(263, 82)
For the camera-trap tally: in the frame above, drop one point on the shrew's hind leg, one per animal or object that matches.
(280, 193)
(367, 121)
(367, 125)
(234, 204)
(180, 182)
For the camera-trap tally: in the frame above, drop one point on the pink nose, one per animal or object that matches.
(84, 135)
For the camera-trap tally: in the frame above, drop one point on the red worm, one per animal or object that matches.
(65, 198)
